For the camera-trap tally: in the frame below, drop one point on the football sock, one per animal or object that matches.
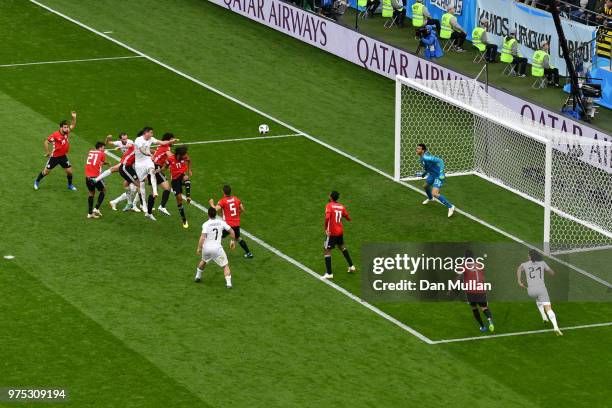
(69, 177)
(182, 212)
(228, 280)
(428, 192)
(153, 182)
(553, 318)
(198, 273)
(542, 312)
(40, 176)
(151, 203)
(164, 199)
(487, 313)
(244, 245)
(347, 256)
(143, 196)
(122, 197)
(100, 199)
(476, 313)
(188, 188)
(444, 201)
(328, 268)
(90, 204)
(104, 174)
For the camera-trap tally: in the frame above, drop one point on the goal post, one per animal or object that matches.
(569, 176)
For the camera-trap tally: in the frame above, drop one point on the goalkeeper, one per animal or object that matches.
(433, 169)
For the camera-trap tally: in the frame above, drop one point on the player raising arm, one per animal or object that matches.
(95, 160)
(180, 171)
(433, 169)
(232, 209)
(534, 270)
(209, 246)
(122, 144)
(334, 231)
(58, 155)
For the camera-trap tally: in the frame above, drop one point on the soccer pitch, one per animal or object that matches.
(107, 308)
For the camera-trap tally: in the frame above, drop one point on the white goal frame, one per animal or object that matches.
(508, 121)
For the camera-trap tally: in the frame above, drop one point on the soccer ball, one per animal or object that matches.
(263, 129)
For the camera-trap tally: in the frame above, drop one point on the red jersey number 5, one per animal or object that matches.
(232, 208)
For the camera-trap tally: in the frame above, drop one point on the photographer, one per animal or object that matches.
(429, 40)
(421, 16)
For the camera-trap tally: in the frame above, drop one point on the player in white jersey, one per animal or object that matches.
(145, 167)
(209, 246)
(536, 288)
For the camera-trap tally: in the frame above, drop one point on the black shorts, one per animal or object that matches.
(236, 232)
(159, 176)
(479, 299)
(177, 185)
(128, 173)
(92, 185)
(61, 160)
(333, 240)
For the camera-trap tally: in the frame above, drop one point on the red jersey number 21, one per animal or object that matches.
(91, 156)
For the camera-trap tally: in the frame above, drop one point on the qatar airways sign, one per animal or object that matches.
(385, 59)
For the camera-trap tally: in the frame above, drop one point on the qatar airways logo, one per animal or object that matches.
(306, 26)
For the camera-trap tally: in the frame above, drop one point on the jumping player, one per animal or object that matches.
(534, 270)
(61, 146)
(180, 171)
(159, 160)
(209, 246)
(93, 166)
(474, 274)
(232, 209)
(145, 168)
(433, 169)
(334, 231)
(127, 172)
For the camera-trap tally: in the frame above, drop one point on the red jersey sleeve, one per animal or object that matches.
(345, 214)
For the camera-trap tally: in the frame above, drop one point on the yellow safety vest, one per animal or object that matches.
(447, 29)
(537, 66)
(417, 15)
(387, 9)
(476, 38)
(506, 54)
(362, 3)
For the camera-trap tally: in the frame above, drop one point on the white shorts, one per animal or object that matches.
(143, 168)
(216, 254)
(539, 293)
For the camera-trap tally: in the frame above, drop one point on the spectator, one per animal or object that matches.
(399, 11)
(452, 30)
(372, 6)
(480, 41)
(421, 16)
(511, 55)
(605, 12)
(430, 41)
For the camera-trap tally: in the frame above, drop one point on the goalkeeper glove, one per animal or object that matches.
(441, 176)
(421, 174)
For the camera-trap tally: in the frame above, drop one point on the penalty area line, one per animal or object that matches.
(523, 333)
(244, 139)
(71, 61)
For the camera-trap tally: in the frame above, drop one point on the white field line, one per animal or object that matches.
(493, 336)
(243, 139)
(314, 139)
(70, 61)
(374, 309)
(322, 143)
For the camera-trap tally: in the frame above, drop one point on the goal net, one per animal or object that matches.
(570, 176)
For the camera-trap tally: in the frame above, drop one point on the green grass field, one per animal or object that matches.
(107, 308)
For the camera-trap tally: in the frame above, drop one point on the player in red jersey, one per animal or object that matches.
(93, 166)
(61, 146)
(232, 209)
(334, 231)
(473, 278)
(159, 160)
(180, 171)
